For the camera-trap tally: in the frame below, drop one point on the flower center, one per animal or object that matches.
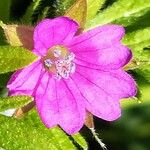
(59, 61)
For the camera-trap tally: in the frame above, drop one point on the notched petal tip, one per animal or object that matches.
(127, 55)
(69, 19)
(48, 21)
(111, 114)
(72, 129)
(50, 32)
(101, 47)
(47, 123)
(119, 29)
(133, 88)
(114, 117)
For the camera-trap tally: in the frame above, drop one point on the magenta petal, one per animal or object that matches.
(46, 100)
(115, 82)
(108, 110)
(57, 106)
(24, 81)
(99, 38)
(71, 106)
(102, 90)
(52, 32)
(97, 101)
(101, 48)
(113, 57)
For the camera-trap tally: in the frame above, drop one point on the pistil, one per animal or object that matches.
(59, 61)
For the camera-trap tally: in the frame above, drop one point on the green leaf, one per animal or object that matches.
(3, 92)
(4, 10)
(78, 12)
(144, 70)
(29, 133)
(80, 140)
(27, 17)
(13, 102)
(136, 20)
(13, 58)
(4, 79)
(41, 9)
(119, 10)
(137, 41)
(93, 7)
(62, 6)
(18, 9)
(4, 15)
(136, 37)
(32, 12)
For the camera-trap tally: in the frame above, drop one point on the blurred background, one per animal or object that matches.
(132, 130)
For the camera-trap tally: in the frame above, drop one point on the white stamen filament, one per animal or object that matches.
(64, 65)
(57, 53)
(48, 63)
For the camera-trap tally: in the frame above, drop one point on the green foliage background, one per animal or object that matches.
(132, 131)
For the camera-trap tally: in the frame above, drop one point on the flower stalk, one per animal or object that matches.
(98, 139)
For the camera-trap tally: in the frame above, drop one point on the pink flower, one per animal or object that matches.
(75, 73)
